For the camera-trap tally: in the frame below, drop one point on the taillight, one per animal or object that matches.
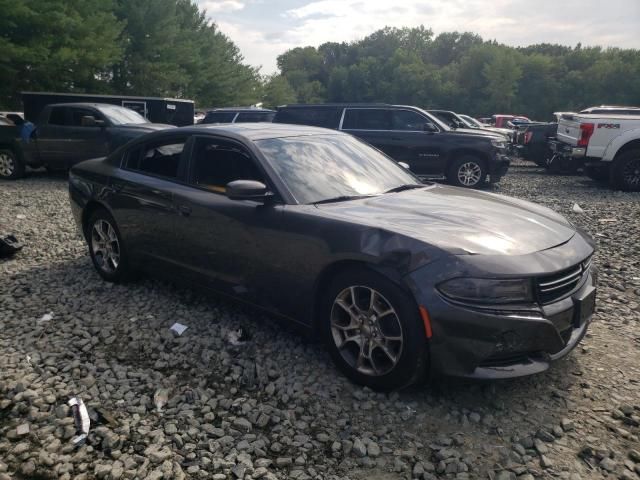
(586, 130)
(527, 137)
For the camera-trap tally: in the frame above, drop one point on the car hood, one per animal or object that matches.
(459, 221)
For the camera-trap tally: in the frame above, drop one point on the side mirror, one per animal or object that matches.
(404, 165)
(90, 121)
(248, 190)
(429, 127)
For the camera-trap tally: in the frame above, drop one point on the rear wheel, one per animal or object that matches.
(373, 330)
(625, 171)
(467, 171)
(11, 167)
(107, 251)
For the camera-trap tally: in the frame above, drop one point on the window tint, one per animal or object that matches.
(58, 116)
(367, 119)
(160, 158)
(315, 117)
(244, 117)
(408, 120)
(217, 163)
(219, 117)
(78, 113)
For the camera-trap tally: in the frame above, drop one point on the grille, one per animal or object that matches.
(554, 287)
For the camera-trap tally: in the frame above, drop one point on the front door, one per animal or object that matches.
(415, 144)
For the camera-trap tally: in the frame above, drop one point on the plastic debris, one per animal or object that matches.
(9, 245)
(607, 220)
(82, 420)
(22, 429)
(47, 317)
(576, 208)
(237, 337)
(21, 216)
(160, 398)
(178, 328)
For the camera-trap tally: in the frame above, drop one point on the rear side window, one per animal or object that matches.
(367, 119)
(216, 163)
(161, 158)
(58, 116)
(245, 117)
(219, 117)
(315, 117)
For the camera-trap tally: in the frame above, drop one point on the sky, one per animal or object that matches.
(263, 29)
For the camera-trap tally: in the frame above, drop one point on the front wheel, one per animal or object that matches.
(373, 331)
(107, 251)
(467, 171)
(625, 171)
(11, 167)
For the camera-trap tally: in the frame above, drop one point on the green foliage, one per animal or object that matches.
(136, 47)
(277, 91)
(462, 72)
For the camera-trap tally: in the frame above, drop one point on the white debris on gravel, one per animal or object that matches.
(277, 408)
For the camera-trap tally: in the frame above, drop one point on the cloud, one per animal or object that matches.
(213, 6)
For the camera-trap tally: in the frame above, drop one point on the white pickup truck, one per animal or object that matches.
(606, 145)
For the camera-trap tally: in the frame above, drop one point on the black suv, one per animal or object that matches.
(412, 136)
(238, 115)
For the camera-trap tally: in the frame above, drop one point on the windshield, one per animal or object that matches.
(120, 115)
(322, 167)
(472, 122)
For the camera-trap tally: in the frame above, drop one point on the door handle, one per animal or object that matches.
(184, 210)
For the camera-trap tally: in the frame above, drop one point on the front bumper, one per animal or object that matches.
(498, 343)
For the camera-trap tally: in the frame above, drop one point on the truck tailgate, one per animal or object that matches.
(569, 129)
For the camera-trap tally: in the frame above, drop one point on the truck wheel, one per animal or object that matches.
(11, 167)
(599, 174)
(467, 171)
(625, 171)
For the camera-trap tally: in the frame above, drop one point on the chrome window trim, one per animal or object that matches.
(344, 111)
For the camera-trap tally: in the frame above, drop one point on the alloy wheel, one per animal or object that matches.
(631, 173)
(366, 330)
(469, 174)
(105, 246)
(7, 165)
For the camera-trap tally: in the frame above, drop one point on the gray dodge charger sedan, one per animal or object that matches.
(401, 279)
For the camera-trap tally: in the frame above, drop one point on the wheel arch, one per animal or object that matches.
(632, 145)
(458, 152)
(88, 210)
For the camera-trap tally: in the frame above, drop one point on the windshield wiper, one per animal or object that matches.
(341, 198)
(408, 186)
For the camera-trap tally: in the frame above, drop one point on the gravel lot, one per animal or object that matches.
(275, 407)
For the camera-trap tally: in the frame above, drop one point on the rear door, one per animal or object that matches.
(373, 125)
(142, 195)
(52, 137)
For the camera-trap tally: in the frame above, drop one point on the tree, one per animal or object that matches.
(277, 91)
(64, 45)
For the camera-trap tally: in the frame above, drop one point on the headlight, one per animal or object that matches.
(498, 143)
(488, 290)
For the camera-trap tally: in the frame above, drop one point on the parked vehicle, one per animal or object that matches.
(239, 115)
(607, 146)
(68, 133)
(463, 157)
(398, 277)
(501, 121)
(471, 122)
(455, 121)
(172, 111)
(533, 142)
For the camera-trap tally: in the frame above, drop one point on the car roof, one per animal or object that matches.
(256, 131)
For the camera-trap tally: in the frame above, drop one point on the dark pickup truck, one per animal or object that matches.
(410, 135)
(68, 133)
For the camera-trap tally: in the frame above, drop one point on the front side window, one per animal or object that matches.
(408, 120)
(321, 167)
(217, 162)
(160, 158)
(367, 119)
(78, 113)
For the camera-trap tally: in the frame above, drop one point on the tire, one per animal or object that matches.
(11, 167)
(467, 171)
(599, 174)
(106, 248)
(406, 360)
(625, 171)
